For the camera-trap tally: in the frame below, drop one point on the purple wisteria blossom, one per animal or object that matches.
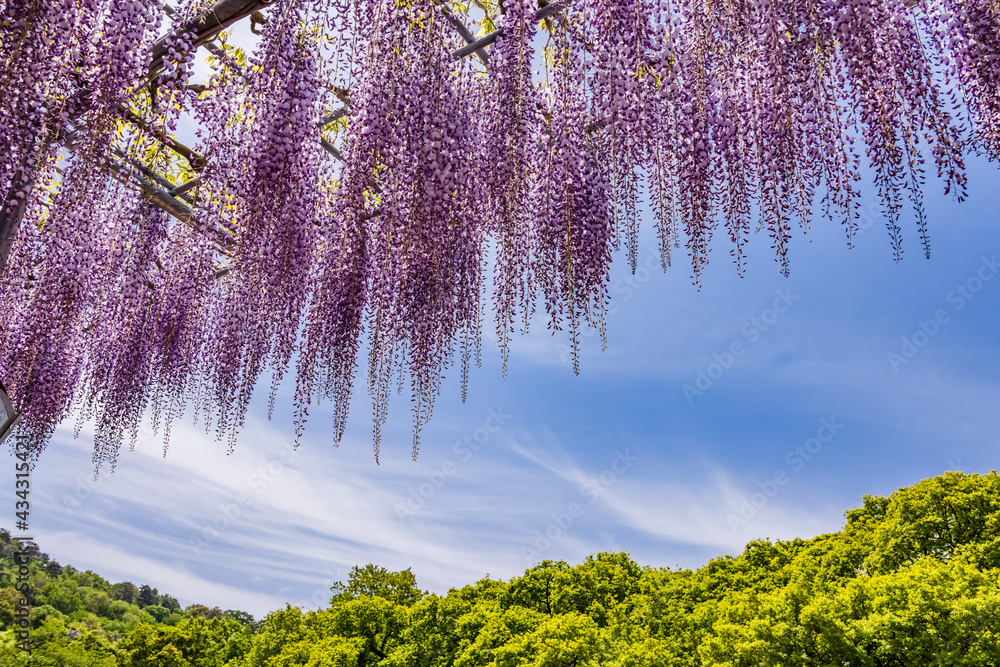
(142, 278)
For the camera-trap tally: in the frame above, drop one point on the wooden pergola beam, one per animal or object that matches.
(207, 26)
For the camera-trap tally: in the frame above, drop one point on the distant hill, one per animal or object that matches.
(78, 617)
(911, 579)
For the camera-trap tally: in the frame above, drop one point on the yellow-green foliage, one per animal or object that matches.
(912, 579)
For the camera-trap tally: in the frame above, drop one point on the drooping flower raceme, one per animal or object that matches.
(574, 227)
(510, 105)
(271, 208)
(146, 277)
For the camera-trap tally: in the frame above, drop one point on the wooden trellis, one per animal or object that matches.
(173, 199)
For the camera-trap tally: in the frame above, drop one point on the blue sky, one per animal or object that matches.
(546, 464)
(808, 416)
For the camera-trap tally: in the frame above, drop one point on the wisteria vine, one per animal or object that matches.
(352, 185)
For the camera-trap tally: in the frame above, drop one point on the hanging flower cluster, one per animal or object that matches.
(510, 106)
(967, 33)
(623, 39)
(263, 190)
(410, 193)
(58, 83)
(575, 224)
(133, 285)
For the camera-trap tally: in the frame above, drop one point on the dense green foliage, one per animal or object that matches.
(79, 618)
(912, 579)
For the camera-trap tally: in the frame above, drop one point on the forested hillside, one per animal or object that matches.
(912, 579)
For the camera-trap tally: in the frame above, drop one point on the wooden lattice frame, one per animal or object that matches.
(171, 198)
